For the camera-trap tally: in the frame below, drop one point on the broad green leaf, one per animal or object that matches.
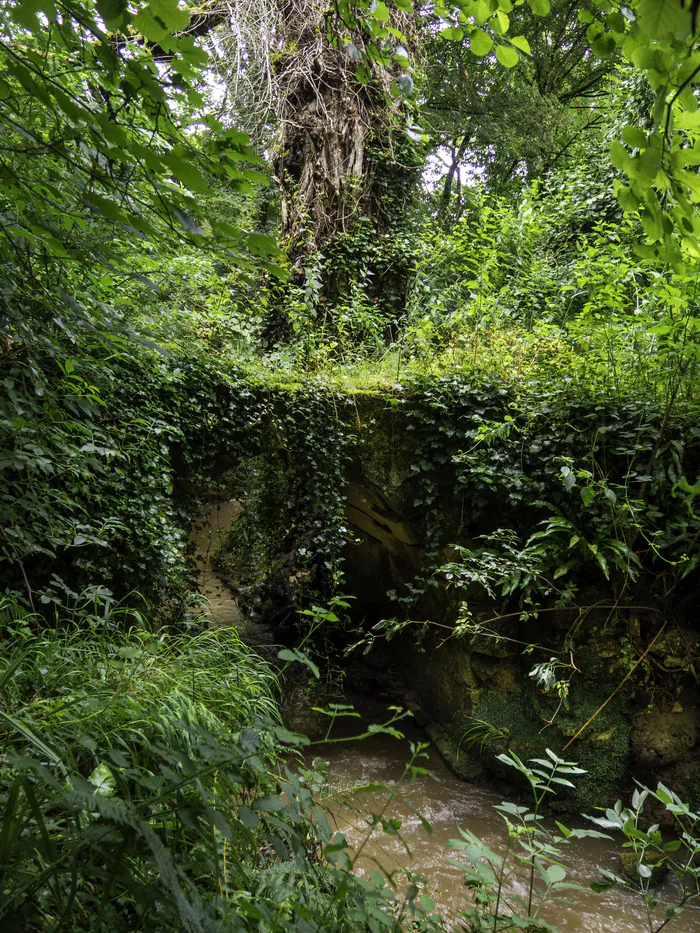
(555, 874)
(634, 136)
(103, 780)
(507, 56)
(249, 819)
(263, 245)
(650, 161)
(604, 45)
(539, 7)
(520, 42)
(663, 19)
(268, 804)
(501, 22)
(286, 654)
(380, 12)
(160, 19)
(480, 42)
(618, 155)
(188, 173)
(481, 10)
(115, 13)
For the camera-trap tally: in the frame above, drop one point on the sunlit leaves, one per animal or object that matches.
(159, 19)
(634, 136)
(507, 56)
(539, 7)
(663, 19)
(480, 42)
(520, 42)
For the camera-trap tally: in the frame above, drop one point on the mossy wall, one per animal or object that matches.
(376, 488)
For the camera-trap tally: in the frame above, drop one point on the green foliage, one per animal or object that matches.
(94, 128)
(534, 845)
(481, 734)
(148, 784)
(512, 123)
(530, 845)
(653, 853)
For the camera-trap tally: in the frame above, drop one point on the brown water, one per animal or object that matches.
(447, 802)
(221, 608)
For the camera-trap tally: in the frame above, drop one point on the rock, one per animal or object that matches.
(505, 675)
(629, 862)
(664, 737)
(459, 760)
(298, 713)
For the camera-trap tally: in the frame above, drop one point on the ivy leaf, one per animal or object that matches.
(587, 495)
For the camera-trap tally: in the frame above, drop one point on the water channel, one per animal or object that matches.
(444, 800)
(447, 803)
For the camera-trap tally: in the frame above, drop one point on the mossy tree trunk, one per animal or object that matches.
(323, 160)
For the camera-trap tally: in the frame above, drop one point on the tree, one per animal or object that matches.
(336, 73)
(509, 123)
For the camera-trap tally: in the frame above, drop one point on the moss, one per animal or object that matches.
(603, 749)
(461, 761)
(629, 861)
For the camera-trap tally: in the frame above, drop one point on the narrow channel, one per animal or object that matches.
(444, 800)
(448, 803)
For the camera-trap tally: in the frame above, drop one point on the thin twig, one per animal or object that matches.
(617, 689)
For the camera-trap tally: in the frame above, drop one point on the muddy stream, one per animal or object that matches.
(444, 800)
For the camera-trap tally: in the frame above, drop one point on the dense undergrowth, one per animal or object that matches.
(523, 356)
(148, 784)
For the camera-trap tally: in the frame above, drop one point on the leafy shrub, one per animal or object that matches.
(145, 786)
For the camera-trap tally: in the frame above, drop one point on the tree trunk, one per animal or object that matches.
(457, 155)
(327, 119)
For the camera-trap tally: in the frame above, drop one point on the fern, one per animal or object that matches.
(481, 734)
